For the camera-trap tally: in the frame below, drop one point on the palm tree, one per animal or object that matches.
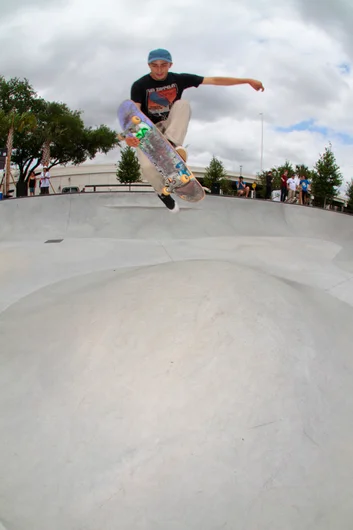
(10, 123)
(54, 125)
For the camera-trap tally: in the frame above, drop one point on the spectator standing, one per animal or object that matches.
(284, 187)
(269, 179)
(44, 181)
(291, 186)
(32, 183)
(304, 191)
(297, 179)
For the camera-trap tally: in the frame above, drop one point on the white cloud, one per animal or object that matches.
(88, 54)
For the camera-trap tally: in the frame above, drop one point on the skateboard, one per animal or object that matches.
(177, 176)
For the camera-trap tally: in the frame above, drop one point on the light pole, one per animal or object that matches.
(262, 140)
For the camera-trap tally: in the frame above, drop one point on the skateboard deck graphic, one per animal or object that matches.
(177, 176)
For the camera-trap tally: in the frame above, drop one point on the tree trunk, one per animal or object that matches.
(21, 188)
(9, 146)
(46, 153)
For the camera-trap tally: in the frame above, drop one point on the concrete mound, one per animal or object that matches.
(190, 371)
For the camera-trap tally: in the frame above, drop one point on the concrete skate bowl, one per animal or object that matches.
(161, 371)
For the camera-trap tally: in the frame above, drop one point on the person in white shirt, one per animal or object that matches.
(44, 181)
(292, 186)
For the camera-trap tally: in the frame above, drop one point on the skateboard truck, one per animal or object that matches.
(172, 182)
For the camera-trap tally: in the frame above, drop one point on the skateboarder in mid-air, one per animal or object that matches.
(158, 96)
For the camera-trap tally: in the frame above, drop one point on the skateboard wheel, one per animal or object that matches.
(136, 120)
(165, 191)
(185, 179)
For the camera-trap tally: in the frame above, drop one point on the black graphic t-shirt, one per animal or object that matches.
(157, 97)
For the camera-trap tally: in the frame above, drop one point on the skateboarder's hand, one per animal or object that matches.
(257, 85)
(132, 141)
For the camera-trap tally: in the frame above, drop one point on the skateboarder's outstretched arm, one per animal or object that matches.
(231, 81)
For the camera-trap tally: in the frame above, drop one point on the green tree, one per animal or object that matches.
(16, 95)
(216, 174)
(261, 181)
(128, 170)
(279, 170)
(326, 178)
(75, 146)
(303, 171)
(11, 123)
(60, 135)
(55, 121)
(350, 196)
(16, 115)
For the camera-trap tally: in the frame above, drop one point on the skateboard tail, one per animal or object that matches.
(191, 192)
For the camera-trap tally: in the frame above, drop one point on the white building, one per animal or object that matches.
(102, 177)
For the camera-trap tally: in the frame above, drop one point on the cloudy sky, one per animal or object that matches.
(88, 53)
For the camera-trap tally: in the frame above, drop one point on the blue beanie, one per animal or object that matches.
(159, 55)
